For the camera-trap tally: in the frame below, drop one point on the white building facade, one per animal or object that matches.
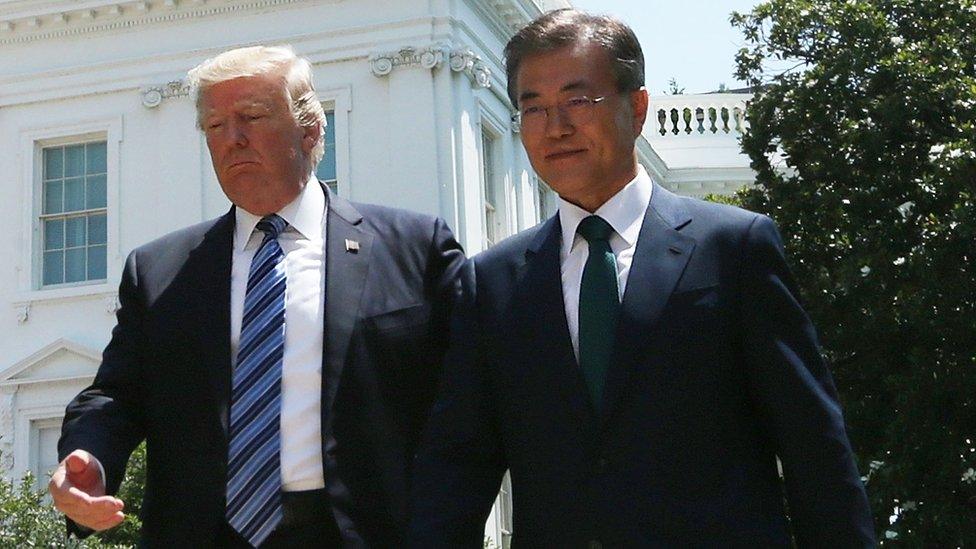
(99, 153)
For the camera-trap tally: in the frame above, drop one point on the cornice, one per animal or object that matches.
(53, 20)
(504, 17)
(461, 59)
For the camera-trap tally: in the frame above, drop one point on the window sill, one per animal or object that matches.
(105, 291)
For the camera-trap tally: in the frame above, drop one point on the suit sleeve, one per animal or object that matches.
(106, 418)
(827, 502)
(459, 465)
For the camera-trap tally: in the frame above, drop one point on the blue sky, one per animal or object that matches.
(690, 40)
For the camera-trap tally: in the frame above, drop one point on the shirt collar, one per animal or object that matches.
(304, 214)
(624, 211)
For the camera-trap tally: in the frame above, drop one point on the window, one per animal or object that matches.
(546, 200)
(326, 170)
(44, 434)
(492, 217)
(74, 230)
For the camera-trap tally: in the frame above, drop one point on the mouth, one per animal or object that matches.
(240, 164)
(562, 155)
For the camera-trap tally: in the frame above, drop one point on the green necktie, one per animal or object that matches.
(599, 305)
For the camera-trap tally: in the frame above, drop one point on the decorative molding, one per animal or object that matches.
(111, 303)
(427, 57)
(8, 375)
(464, 59)
(61, 21)
(23, 312)
(7, 428)
(152, 96)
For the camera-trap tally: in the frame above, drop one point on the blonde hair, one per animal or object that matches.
(262, 60)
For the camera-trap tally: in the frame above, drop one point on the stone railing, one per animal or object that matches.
(715, 114)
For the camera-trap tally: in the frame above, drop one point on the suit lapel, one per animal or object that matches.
(660, 258)
(542, 312)
(345, 277)
(212, 259)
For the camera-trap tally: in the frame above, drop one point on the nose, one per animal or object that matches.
(557, 123)
(237, 133)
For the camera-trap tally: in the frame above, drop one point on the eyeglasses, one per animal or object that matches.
(575, 110)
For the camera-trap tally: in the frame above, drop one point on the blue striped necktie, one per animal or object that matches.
(253, 460)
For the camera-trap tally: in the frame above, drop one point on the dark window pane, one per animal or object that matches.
(96, 263)
(54, 234)
(95, 195)
(74, 160)
(96, 229)
(74, 232)
(95, 152)
(54, 163)
(74, 265)
(74, 194)
(53, 267)
(53, 197)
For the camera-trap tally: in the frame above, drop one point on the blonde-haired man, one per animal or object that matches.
(279, 360)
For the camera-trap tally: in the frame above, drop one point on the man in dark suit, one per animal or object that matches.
(639, 361)
(280, 360)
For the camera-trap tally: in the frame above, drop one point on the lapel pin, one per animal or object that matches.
(352, 246)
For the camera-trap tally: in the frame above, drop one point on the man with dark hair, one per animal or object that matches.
(640, 360)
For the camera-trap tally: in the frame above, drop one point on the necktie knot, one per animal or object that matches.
(594, 228)
(272, 225)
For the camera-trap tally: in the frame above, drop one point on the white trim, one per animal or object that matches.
(340, 101)
(22, 431)
(60, 344)
(32, 141)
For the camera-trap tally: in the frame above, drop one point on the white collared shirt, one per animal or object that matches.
(301, 379)
(625, 213)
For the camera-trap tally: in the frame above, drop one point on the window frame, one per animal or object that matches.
(30, 268)
(63, 215)
(338, 101)
(491, 126)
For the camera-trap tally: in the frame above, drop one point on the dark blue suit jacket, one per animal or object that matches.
(716, 372)
(165, 375)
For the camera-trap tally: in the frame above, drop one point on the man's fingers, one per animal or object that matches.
(111, 522)
(77, 462)
(100, 513)
(82, 470)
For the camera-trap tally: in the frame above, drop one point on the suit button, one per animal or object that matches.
(601, 465)
(594, 544)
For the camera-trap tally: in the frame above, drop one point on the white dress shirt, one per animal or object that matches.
(625, 213)
(301, 377)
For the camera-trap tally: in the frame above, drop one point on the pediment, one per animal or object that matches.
(60, 359)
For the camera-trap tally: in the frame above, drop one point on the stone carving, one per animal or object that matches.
(23, 312)
(154, 95)
(428, 57)
(465, 60)
(111, 303)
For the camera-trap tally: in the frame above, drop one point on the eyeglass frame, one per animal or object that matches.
(591, 101)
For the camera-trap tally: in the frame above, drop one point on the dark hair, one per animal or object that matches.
(567, 27)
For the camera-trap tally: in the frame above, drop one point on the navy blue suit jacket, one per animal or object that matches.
(716, 372)
(165, 375)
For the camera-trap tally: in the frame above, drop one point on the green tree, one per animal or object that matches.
(863, 136)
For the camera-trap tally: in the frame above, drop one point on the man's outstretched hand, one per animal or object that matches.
(78, 490)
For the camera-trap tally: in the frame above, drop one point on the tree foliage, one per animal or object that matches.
(863, 136)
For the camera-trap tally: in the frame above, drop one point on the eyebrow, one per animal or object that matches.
(575, 85)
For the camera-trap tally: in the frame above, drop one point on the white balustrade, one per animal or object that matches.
(715, 114)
